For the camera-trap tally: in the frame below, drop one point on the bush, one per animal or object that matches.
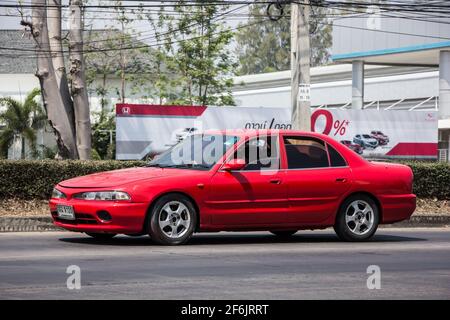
(34, 179)
(431, 179)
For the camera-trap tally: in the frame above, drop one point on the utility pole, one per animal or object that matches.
(300, 64)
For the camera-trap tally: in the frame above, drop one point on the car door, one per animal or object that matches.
(316, 177)
(256, 195)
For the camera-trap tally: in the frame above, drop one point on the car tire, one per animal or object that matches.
(284, 233)
(173, 219)
(357, 219)
(101, 236)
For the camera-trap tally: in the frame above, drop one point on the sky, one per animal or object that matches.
(97, 22)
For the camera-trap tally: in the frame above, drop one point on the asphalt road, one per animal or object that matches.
(414, 263)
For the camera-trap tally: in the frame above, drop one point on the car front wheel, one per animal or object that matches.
(357, 219)
(173, 220)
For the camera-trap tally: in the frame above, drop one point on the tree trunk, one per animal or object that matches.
(55, 39)
(22, 150)
(52, 100)
(78, 78)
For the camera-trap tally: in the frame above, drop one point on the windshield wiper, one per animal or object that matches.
(195, 165)
(156, 165)
(181, 165)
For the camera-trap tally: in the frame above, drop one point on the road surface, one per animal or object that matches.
(414, 263)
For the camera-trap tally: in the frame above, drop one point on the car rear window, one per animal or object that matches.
(336, 160)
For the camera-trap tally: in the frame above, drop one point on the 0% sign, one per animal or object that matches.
(322, 121)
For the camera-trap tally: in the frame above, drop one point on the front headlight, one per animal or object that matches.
(103, 195)
(56, 194)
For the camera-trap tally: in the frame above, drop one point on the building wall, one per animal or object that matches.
(382, 84)
(360, 33)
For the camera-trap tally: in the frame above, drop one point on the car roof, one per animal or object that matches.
(350, 155)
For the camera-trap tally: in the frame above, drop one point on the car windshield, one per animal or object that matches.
(199, 151)
(366, 136)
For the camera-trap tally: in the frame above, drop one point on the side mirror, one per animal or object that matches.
(235, 164)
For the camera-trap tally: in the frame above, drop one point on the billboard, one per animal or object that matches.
(143, 130)
(381, 133)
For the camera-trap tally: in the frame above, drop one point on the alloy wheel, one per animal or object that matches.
(359, 217)
(174, 219)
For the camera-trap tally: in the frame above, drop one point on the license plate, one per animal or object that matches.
(66, 212)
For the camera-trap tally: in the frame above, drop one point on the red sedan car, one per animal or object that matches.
(279, 181)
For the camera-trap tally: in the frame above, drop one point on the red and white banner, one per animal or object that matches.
(143, 130)
(381, 133)
(150, 129)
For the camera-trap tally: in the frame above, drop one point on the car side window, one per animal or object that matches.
(305, 153)
(260, 153)
(336, 160)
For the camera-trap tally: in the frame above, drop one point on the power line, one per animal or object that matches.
(157, 44)
(154, 36)
(129, 48)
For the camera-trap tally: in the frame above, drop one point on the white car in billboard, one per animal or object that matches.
(365, 141)
(181, 134)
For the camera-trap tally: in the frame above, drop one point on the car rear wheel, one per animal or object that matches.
(284, 233)
(101, 236)
(173, 220)
(357, 219)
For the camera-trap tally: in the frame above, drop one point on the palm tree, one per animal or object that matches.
(21, 120)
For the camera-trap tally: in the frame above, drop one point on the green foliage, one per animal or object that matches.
(95, 155)
(431, 179)
(106, 61)
(188, 62)
(34, 179)
(21, 120)
(103, 131)
(48, 152)
(193, 64)
(265, 46)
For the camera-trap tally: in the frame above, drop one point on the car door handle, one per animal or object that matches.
(341, 180)
(275, 181)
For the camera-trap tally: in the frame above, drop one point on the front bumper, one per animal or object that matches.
(126, 217)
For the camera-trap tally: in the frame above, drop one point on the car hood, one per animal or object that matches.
(115, 178)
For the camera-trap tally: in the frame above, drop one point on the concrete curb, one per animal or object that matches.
(418, 221)
(23, 224)
(28, 224)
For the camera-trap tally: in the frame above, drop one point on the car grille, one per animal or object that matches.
(80, 218)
